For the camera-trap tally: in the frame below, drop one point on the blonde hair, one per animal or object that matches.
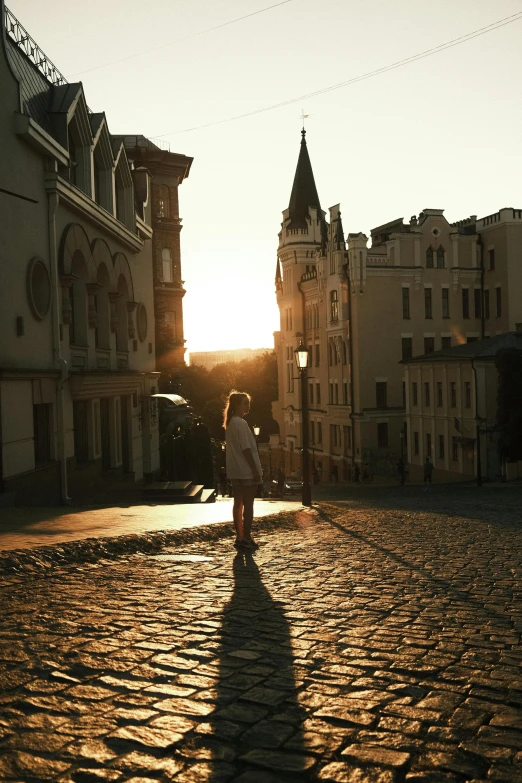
(235, 399)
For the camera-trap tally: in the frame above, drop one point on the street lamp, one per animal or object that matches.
(257, 430)
(301, 359)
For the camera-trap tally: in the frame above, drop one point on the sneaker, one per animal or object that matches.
(249, 544)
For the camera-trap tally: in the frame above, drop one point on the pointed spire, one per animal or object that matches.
(339, 234)
(278, 272)
(304, 192)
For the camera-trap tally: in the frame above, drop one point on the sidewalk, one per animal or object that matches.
(27, 527)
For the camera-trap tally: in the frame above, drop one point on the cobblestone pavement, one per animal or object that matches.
(373, 642)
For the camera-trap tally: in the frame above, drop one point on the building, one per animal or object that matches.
(168, 170)
(419, 287)
(77, 354)
(451, 404)
(210, 359)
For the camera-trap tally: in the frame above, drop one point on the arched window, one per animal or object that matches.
(440, 258)
(102, 329)
(334, 306)
(166, 262)
(122, 334)
(78, 294)
(163, 202)
(429, 258)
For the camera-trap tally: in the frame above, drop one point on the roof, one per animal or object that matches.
(480, 349)
(304, 192)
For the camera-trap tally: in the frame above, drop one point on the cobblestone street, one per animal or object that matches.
(376, 639)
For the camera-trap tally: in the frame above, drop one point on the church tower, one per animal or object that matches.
(310, 250)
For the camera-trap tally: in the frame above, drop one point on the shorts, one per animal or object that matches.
(244, 483)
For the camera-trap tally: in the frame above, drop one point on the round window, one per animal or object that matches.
(435, 231)
(38, 288)
(141, 321)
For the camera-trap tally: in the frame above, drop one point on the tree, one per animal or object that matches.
(508, 362)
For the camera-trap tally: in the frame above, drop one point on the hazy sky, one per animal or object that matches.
(443, 132)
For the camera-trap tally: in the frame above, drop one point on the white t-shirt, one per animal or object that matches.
(238, 438)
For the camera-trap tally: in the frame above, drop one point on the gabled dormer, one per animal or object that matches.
(124, 190)
(70, 120)
(102, 163)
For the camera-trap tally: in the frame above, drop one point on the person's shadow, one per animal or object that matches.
(257, 723)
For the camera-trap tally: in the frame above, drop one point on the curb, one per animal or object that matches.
(90, 550)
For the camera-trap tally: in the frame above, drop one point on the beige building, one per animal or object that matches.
(452, 403)
(77, 355)
(419, 287)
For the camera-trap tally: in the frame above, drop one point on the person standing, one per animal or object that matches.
(243, 466)
(429, 467)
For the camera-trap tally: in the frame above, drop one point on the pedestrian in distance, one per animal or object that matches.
(357, 474)
(243, 466)
(429, 467)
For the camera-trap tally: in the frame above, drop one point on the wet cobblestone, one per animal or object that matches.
(368, 641)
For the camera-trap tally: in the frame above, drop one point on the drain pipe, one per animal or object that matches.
(52, 201)
(477, 428)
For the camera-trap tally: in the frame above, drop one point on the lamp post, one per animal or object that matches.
(402, 455)
(257, 430)
(301, 359)
(270, 464)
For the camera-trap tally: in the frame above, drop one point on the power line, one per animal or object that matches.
(177, 40)
(392, 66)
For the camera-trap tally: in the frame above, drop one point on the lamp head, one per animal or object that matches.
(301, 356)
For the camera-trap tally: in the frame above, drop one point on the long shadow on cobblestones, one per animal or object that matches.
(439, 584)
(257, 715)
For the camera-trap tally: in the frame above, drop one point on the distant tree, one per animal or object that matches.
(207, 390)
(509, 403)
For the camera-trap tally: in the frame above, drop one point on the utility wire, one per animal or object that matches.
(399, 64)
(177, 40)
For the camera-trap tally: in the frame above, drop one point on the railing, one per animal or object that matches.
(30, 48)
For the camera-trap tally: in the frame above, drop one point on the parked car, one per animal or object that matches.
(292, 487)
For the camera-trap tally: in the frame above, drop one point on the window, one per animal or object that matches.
(429, 344)
(415, 442)
(498, 295)
(163, 202)
(478, 303)
(467, 394)
(318, 393)
(441, 446)
(345, 356)
(486, 303)
(405, 302)
(382, 435)
(404, 394)
(42, 433)
(347, 435)
(381, 394)
(465, 302)
(333, 435)
(440, 258)
(319, 432)
(439, 394)
(427, 396)
(336, 393)
(491, 257)
(345, 393)
(330, 353)
(310, 356)
(407, 348)
(166, 260)
(330, 393)
(428, 310)
(471, 339)
(445, 303)
(334, 307)
(312, 432)
(454, 448)
(429, 258)
(311, 393)
(453, 394)
(317, 355)
(428, 444)
(414, 395)
(445, 343)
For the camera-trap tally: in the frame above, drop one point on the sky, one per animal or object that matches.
(442, 132)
